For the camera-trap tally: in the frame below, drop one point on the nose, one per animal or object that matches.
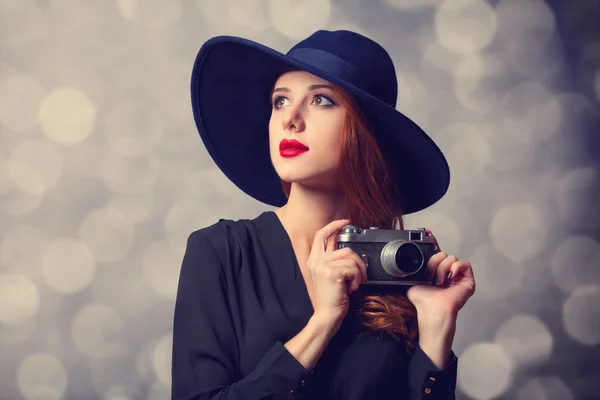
(292, 119)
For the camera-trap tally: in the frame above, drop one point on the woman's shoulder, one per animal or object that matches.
(226, 235)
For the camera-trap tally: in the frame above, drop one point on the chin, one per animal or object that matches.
(314, 179)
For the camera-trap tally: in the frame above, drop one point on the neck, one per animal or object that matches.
(308, 210)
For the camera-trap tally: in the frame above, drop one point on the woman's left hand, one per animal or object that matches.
(453, 286)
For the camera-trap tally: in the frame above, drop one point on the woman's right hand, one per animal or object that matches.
(334, 273)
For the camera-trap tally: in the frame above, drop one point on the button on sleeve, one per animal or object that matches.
(426, 381)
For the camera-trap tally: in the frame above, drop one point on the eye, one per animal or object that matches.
(322, 100)
(280, 101)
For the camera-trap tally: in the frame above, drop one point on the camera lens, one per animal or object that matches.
(409, 257)
(400, 258)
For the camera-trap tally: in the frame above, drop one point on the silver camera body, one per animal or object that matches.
(393, 257)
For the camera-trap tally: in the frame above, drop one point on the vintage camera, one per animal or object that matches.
(393, 257)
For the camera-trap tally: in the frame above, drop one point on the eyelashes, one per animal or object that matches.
(276, 101)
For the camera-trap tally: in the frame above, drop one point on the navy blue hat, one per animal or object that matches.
(231, 84)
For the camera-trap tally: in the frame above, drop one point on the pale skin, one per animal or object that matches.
(308, 111)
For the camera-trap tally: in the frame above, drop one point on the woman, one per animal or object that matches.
(268, 308)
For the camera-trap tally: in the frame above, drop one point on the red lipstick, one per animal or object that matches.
(291, 148)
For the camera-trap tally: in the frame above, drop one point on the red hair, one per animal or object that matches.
(372, 200)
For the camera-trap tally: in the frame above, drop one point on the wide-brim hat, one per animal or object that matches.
(232, 80)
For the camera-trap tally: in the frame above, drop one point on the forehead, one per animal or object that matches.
(302, 78)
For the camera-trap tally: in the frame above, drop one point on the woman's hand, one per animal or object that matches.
(454, 285)
(334, 274)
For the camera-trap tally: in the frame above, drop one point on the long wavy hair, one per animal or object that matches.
(372, 200)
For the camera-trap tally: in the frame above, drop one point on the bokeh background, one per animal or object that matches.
(103, 177)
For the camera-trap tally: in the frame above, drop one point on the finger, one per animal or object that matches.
(434, 262)
(444, 268)
(348, 253)
(322, 236)
(353, 279)
(463, 268)
(331, 244)
(346, 269)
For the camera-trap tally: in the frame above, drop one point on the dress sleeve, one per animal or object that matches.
(205, 345)
(426, 381)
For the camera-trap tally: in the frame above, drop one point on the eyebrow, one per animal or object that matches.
(310, 87)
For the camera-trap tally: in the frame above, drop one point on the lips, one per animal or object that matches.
(291, 148)
(291, 144)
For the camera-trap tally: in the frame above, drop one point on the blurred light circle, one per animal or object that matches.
(465, 26)
(209, 184)
(143, 363)
(161, 359)
(122, 392)
(412, 96)
(581, 315)
(526, 340)
(94, 327)
(41, 376)
(35, 166)
(486, 371)
(467, 149)
(522, 19)
(577, 197)
(576, 262)
(528, 221)
(238, 14)
(160, 266)
(525, 30)
(67, 116)
(535, 107)
(510, 144)
(20, 99)
(169, 100)
(19, 299)
(412, 5)
(137, 208)
(156, 14)
(18, 204)
(13, 335)
(128, 8)
(471, 83)
(68, 266)
(22, 249)
(298, 20)
(123, 289)
(497, 276)
(183, 218)
(113, 365)
(130, 175)
(545, 388)
(133, 127)
(159, 391)
(440, 57)
(444, 229)
(107, 233)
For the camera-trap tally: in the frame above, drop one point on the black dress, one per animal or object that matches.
(241, 296)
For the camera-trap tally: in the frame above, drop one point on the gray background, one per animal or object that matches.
(103, 177)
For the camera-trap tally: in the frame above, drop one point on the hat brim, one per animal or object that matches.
(231, 84)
